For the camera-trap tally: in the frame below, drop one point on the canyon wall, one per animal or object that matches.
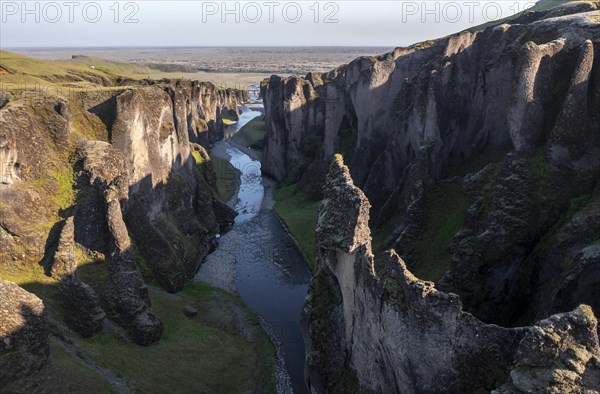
(502, 88)
(117, 176)
(369, 323)
(479, 152)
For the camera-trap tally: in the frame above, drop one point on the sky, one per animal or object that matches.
(157, 23)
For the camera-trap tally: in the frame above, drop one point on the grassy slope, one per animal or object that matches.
(252, 132)
(300, 215)
(27, 72)
(198, 354)
(445, 210)
(73, 377)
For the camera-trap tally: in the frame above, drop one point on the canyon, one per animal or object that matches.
(457, 237)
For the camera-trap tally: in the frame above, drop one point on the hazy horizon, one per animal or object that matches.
(185, 24)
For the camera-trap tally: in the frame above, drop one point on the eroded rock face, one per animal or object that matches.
(558, 355)
(453, 94)
(370, 323)
(334, 231)
(33, 135)
(145, 136)
(154, 129)
(9, 170)
(508, 114)
(23, 333)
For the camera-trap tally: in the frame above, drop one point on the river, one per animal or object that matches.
(259, 261)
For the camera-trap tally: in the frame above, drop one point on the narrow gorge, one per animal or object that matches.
(422, 221)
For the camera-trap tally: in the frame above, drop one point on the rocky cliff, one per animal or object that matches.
(117, 177)
(469, 93)
(479, 153)
(369, 323)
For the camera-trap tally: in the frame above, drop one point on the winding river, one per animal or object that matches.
(259, 261)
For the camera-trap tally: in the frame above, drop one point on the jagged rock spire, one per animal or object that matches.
(344, 214)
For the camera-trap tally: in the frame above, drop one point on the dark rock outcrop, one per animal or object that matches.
(83, 312)
(370, 323)
(348, 229)
(23, 333)
(126, 294)
(64, 263)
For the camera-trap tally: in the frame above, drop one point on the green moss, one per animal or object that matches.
(252, 132)
(65, 194)
(311, 144)
(300, 216)
(381, 234)
(171, 232)
(228, 178)
(445, 211)
(94, 272)
(227, 119)
(539, 165)
(197, 158)
(577, 204)
(426, 44)
(32, 278)
(478, 163)
(346, 140)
